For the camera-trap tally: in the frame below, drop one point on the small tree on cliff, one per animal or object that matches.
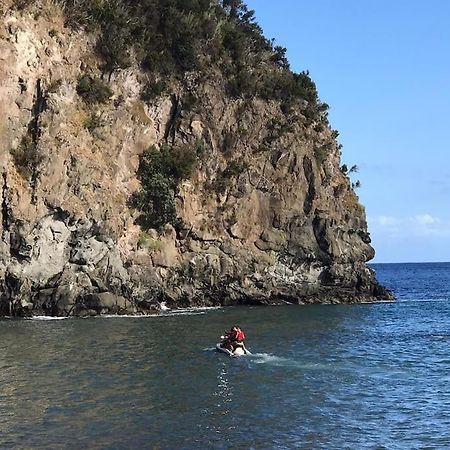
(160, 172)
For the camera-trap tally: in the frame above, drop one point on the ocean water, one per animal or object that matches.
(370, 376)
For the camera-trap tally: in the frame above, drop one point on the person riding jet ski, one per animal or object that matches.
(233, 341)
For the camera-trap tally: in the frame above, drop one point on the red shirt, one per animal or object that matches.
(240, 335)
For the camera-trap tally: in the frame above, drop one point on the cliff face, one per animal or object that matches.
(266, 214)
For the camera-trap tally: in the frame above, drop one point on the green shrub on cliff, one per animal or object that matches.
(321, 154)
(225, 177)
(171, 37)
(22, 4)
(174, 163)
(92, 122)
(155, 202)
(27, 157)
(23, 158)
(93, 90)
(160, 172)
(153, 90)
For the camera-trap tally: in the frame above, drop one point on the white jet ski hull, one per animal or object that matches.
(238, 352)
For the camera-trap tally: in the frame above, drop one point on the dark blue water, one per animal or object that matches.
(416, 281)
(328, 377)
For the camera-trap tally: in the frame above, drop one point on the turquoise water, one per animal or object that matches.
(333, 377)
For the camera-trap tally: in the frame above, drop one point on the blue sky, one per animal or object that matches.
(384, 69)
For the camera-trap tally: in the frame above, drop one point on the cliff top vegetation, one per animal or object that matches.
(169, 38)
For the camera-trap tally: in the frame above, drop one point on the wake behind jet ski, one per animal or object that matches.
(232, 343)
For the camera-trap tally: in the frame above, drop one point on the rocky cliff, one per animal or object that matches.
(263, 214)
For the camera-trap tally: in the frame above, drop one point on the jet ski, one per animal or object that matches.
(239, 350)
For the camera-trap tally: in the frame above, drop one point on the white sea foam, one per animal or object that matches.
(190, 311)
(371, 302)
(47, 318)
(165, 312)
(147, 316)
(199, 308)
(126, 316)
(280, 361)
(209, 349)
(182, 313)
(267, 358)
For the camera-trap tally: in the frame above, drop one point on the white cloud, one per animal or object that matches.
(384, 220)
(426, 219)
(421, 225)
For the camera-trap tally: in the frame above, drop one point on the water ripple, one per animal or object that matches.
(322, 377)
